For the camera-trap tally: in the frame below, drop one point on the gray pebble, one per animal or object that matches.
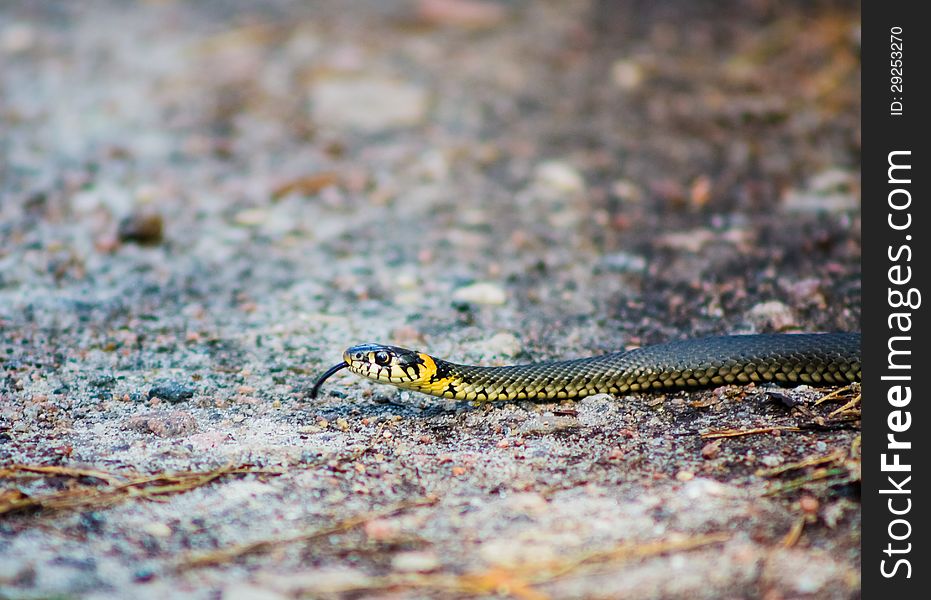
(170, 391)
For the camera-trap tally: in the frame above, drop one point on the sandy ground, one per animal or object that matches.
(202, 204)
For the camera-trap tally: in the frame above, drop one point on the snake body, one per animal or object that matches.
(811, 358)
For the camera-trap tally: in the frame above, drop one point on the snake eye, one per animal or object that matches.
(382, 358)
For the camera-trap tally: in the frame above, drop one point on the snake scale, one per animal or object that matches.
(807, 358)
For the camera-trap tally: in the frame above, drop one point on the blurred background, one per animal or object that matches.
(212, 200)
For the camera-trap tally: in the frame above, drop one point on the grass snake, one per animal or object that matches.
(805, 358)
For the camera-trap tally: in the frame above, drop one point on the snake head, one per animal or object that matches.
(390, 364)
(387, 364)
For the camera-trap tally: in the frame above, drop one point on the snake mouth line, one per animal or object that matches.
(327, 375)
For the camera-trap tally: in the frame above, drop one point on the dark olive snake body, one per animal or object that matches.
(810, 358)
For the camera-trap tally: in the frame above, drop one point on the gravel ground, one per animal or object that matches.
(202, 204)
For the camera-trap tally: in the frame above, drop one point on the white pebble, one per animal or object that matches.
(559, 177)
(773, 314)
(415, 562)
(481, 293)
(368, 104)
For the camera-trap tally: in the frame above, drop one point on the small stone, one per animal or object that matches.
(107, 243)
(669, 190)
(830, 191)
(143, 227)
(711, 449)
(170, 391)
(559, 177)
(772, 315)
(173, 424)
(598, 400)
(369, 104)
(156, 529)
(701, 488)
(771, 460)
(627, 74)
(806, 292)
(481, 293)
(143, 574)
(407, 281)
(415, 562)
(801, 202)
(700, 192)
(688, 241)
(833, 180)
(251, 217)
(408, 298)
(627, 191)
(808, 504)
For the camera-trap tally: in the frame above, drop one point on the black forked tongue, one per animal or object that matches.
(325, 376)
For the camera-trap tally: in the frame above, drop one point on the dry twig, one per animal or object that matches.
(117, 488)
(225, 555)
(726, 433)
(19, 470)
